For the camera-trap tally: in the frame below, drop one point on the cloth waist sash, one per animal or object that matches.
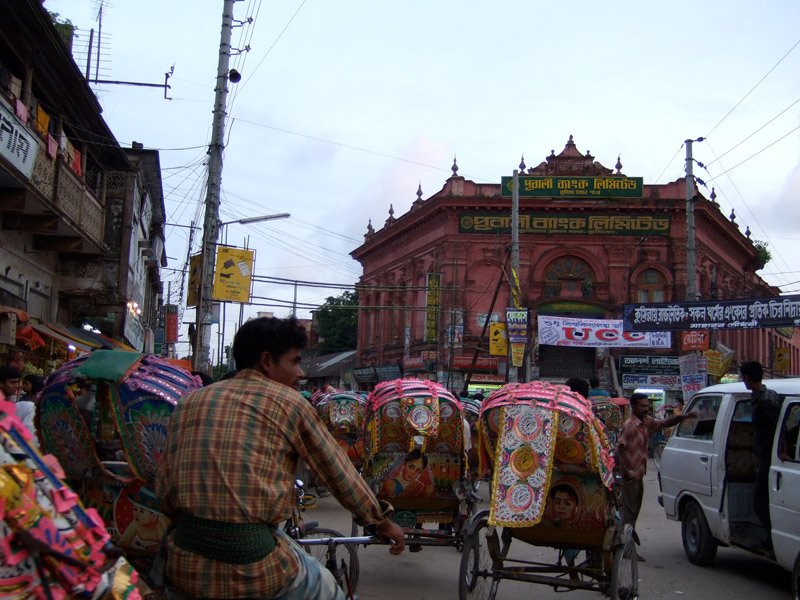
(232, 543)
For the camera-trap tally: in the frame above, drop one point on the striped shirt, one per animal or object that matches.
(231, 455)
(632, 446)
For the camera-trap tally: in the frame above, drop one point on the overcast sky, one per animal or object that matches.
(346, 107)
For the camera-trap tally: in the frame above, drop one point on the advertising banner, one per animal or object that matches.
(517, 325)
(631, 381)
(517, 355)
(596, 333)
(195, 277)
(171, 323)
(732, 314)
(691, 384)
(432, 289)
(694, 340)
(498, 339)
(232, 274)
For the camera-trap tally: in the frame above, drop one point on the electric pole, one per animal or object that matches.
(691, 274)
(211, 223)
(513, 372)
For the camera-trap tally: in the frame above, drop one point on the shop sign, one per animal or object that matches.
(517, 325)
(691, 384)
(532, 186)
(432, 287)
(485, 378)
(463, 363)
(631, 381)
(694, 340)
(18, 144)
(412, 364)
(134, 331)
(652, 364)
(233, 273)
(388, 372)
(565, 223)
(498, 339)
(365, 375)
(732, 314)
(517, 355)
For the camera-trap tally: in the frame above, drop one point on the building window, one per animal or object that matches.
(569, 277)
(651, 286)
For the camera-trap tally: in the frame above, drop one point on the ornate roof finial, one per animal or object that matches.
(419, 192)
(522, 163)
(747, 232)
(732, 217)
(454, 168)
(391, 211)
(714, 196)
(618, 166)
(370, 230)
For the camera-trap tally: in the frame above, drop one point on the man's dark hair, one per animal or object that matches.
(752, 369)
(267, 334)
(8, 372)
(205, 378)
(37, 383)
(577, 384)
(636, 397)
(594, 382)
(416, 454)
(567, 489)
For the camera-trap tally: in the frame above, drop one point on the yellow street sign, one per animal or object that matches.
(232, 274)
(498, 339)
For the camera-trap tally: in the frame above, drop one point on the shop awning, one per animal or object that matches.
(60, 337)
(21, 314)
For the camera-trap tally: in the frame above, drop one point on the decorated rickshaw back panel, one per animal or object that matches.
(532, 434)
(416, 445)
(344, 413)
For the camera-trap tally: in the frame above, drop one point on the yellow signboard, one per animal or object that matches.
(232, 274)
(498, 339)
(195, 277)
(782, 360)
(517, 354)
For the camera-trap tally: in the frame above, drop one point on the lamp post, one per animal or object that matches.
(224, 231)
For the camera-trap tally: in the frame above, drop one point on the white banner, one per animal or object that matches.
(18, 144)
(597, 333)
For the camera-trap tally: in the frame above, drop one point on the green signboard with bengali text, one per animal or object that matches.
(613, 186)
(565, 223)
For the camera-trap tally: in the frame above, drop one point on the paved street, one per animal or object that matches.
(433, 573)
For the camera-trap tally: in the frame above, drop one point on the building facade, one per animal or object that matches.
(82, 218)
(434, 276)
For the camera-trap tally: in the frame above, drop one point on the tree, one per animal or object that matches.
(763, 255)
(337, 323)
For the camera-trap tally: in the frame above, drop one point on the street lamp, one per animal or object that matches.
(224, 228)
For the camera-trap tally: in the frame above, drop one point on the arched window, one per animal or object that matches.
(651, 286)
(569, 277)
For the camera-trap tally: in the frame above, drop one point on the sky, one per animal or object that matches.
(346, 107)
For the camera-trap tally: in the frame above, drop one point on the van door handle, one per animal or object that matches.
(703, 459)
(778, 481)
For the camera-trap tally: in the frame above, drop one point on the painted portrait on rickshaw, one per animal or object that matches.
(575, 502)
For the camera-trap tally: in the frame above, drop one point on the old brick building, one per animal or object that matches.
(581, 255)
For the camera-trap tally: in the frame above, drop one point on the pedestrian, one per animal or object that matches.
(578, 384)
(632, 454)
(32, 386)
(766, 408)
(227, 477)
(9, 382)
(595, 389)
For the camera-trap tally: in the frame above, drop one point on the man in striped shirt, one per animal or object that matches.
(227, 477)
(631, 454)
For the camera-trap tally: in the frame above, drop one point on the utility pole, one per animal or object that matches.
(513, 372)
(691, 270)
(211, 223)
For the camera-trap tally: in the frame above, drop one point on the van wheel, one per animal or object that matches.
(698, 543)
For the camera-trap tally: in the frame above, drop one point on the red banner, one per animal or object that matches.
(171, 327)
(694, 340)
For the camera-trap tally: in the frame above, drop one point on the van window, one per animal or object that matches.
(787, 445)
(702, 428)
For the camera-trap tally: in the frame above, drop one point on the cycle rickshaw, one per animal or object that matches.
(551, 486)
(104, 417)
(344, 413)
(417, 460)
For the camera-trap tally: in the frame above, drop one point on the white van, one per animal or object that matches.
(708, 470)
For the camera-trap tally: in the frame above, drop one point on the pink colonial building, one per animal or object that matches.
(431, 275)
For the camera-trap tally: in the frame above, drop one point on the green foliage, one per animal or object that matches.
(337, 322)
(763, 255)
(64, 27)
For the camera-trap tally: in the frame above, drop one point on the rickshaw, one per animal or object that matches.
(417, 459)
(51, 545)
(612, 413)
(104, 417)
(551, 486)
(344, 413)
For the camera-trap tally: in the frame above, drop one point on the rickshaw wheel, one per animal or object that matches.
(625, 572)
(344, 552)
(475, 579)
